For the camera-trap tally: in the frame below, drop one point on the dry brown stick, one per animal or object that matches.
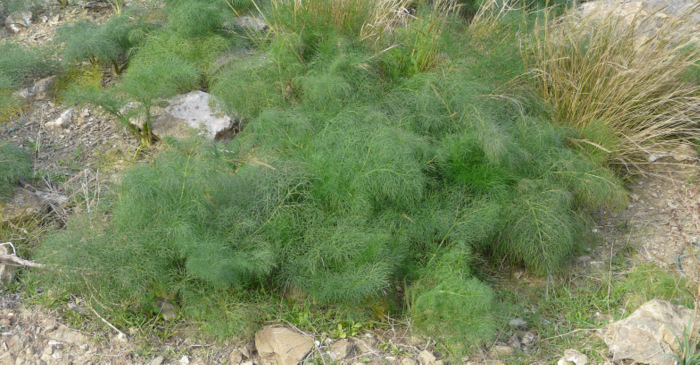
(13, 260)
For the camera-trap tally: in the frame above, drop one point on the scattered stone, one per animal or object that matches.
(196, 110)
(251, 22)
(282, 346)
(235, 358)
(426, 358)
(528, 338)
(18, 20)
(518, 323)
(168, 311)
(684, 152)
(573, 357)
(648, 333)
(339, 350)
(408, 361)
(514, 342)
(501, 351)
(62, 121)
(157, 361)
(366, 345)
(23, 204)
(67, 335)
(39, 89)
(7, 359)
(184, 360)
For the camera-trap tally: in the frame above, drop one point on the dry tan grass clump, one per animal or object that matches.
(620, 76)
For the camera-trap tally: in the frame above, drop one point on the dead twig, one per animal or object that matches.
(13, 260)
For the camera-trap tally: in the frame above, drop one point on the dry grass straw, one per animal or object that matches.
(622, 73)
(490, 17)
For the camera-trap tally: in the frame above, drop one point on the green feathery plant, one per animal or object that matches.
(15, 164)
(109, 44)
(342, 185)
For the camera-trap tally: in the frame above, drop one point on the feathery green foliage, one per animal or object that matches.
(109, 44)
(18, 64)
(195, 18)
(15, 164)
(448, 303)
(342, 183)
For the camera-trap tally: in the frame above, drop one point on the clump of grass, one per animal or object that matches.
(598, 68)
(15, 164)
(415, 47)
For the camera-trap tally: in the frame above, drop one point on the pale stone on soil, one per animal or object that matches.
(573, 357)
(18, 20)
(62, 121)
(501, 351)
(684, 152)
(235, 358)
(426, 358)
(39, 89)
(518, 323)
(409, 361)
(339, 350)
(648, 333)
(192, 111)
(282, 346)
(67, 335)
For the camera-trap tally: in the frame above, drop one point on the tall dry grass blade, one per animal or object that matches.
(624, 71)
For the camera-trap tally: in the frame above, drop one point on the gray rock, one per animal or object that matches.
(528, 338)
(7, 359)
(409, 361)
(282, 346)
(23, 204)
(501, 351)
(339, 350)
(648, 333)
(39, 89)
(573, 357)
(67, 335)
(235, 358)
(184, 360)
(157, 361)
(251, 22)
(426, 358)
(518, 323)
(18, 20)
(195, 110)
(61, 122)
(685, 152)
